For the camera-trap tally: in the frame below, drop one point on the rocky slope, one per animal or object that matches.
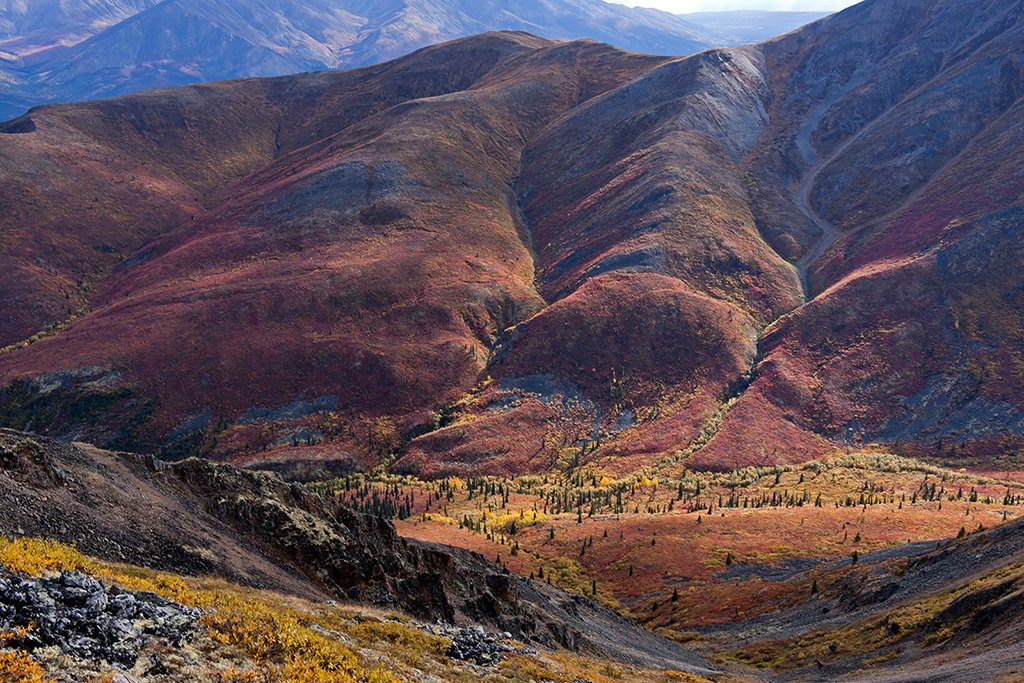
(923, 612)
(508, 255)
(86, 619)
(200, 518)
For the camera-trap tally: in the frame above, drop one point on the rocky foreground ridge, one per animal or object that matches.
(201, 518)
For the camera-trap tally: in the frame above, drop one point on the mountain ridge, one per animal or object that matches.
(145, 45)
(378, 263)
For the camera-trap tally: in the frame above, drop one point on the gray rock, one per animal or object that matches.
(89, 620)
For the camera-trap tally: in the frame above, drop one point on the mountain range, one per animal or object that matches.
(505, 254)
(573, 363)
(84, 50)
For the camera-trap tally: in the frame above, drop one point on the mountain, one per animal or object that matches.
(122, 48)
(726, 346)
(903, 216)
(506, 255)
(29, 27)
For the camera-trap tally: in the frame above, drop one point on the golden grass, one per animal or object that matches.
(254, 636)
(35, 555)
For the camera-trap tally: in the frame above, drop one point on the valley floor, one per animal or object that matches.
(765, 568)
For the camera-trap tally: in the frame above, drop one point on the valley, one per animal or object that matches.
(770, 568)
(705, 536)
(814, 572)
(658, 368)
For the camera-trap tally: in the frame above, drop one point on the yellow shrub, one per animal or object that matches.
(299, 671)
(268, 635)
(434, 517)
(166, 585)
(412, 640)
(521, 519)
(682, 677)
(518, 668)
(234, 675)
(36, 555)
(18, 667)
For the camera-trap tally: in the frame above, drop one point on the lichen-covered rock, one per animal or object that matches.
(88, 619)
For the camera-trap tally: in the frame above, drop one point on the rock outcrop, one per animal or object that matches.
(88, 619)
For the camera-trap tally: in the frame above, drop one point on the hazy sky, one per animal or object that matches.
(684, 6)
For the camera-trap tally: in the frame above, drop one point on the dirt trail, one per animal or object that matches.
(802, 193)
(829, 234)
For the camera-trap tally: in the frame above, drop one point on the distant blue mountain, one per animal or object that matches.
(68, 50)
(744, 27)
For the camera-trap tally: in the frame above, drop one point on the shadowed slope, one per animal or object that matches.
(898, 118)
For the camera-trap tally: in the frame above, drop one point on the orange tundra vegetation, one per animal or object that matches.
(709, 538)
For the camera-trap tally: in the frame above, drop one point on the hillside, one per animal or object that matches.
(27, 28)
(950, 613)
(890, 172)
(506, 255)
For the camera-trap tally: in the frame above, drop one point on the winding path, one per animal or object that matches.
(829, 234)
